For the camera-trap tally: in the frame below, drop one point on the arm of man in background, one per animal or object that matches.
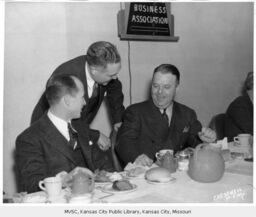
(115, 100)
(41, 107)
(198, 134)
(128, 136)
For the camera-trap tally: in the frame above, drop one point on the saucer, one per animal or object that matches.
(81, 199)
(172, 180)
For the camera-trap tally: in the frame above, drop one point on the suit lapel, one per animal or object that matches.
(55, 138)
(83, 138)
(156, 123)
(177, 122)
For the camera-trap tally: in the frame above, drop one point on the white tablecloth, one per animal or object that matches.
(236, 185)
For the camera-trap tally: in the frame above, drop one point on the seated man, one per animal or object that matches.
(239, 115)
(160, 122)
(52, 145)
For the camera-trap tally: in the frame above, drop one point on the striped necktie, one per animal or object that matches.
(72, 135)
(165, 117)
(95, 90)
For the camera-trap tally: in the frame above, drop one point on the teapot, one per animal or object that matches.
(168, 162)
(206, 165)
(82, 183)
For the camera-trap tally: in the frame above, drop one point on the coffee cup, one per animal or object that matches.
(52, 186)
(243, 139)
(162, 152)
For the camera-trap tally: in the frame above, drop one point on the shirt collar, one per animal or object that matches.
(60, 124)
(90, 81)
(168, 109)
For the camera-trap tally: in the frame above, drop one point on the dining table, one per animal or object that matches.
(235, 186)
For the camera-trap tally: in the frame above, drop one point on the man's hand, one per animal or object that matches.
(117, 126)
(104, 142)
(143, 160)
(207, 135)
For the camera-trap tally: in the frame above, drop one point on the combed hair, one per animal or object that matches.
(58, 86)
(168, 68)
(102, 53)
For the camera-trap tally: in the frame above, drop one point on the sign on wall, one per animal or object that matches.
(146, 21)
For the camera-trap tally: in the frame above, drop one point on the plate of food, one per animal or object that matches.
(101, 177)
(136, 172)
(104, 177)
(159, 175)
(120, 187)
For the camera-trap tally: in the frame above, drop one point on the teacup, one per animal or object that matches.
(162, 152)
(51, 185)
(243, 139)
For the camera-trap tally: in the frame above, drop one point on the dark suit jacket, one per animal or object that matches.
(113, 92)
(42, 151)
(144, 131)
(239, 117)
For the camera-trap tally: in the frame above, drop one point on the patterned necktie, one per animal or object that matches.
(72, 135)
(165, 117)
(95, 90)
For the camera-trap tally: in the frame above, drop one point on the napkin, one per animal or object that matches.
(132, 167)
(220, 144)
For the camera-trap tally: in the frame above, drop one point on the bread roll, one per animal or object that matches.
(122, 185)
(158, 174)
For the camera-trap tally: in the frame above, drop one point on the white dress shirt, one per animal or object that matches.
(60, 124)
(90, 81)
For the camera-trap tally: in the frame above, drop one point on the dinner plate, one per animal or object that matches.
(161, 183)
(103, 183)
(108, 189)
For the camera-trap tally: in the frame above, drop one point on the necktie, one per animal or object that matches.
(94, 90)
(72, 135)
(165, 117)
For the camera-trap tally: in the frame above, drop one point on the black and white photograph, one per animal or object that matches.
(142, 104)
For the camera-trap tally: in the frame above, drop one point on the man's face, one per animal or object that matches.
(163, 89)
(77, 101)
(104, 75)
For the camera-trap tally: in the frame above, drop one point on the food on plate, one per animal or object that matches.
(115, 176)
(122, 185)
(136, 171)
(101, 176)
(158, 174)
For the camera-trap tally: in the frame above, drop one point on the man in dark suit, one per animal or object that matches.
(98, 71)
(52, 144)
(239, 115)
(159, 123)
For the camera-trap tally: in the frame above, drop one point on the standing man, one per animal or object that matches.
(52, 144)
(98, 71)
(160, 122)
